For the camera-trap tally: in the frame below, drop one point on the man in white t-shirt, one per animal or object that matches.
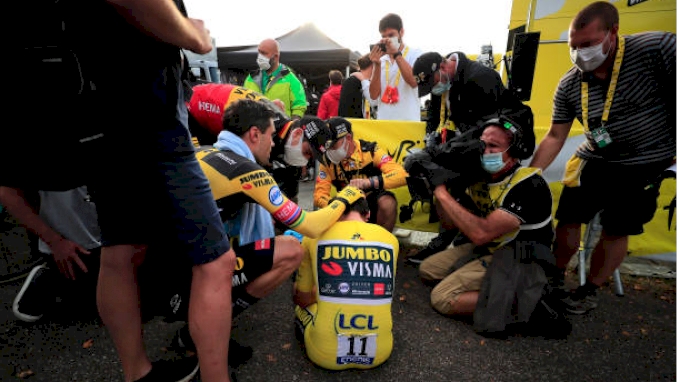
(393, 85)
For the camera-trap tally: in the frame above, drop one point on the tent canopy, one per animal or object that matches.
(306, 50)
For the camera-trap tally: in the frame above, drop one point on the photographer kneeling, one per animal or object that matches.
(500, 276)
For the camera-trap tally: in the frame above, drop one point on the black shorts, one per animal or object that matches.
(252, 261)
(621, 192)
(151, 201)
(372, 199)
(165, 281)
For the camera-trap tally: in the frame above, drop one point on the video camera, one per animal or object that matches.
(455, 163)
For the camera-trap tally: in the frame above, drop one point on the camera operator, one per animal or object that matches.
(512, 207)
(464, 94)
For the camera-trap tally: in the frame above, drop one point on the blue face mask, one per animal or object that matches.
(441, 87)
(493, 162)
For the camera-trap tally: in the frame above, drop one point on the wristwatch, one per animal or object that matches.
(396, 55)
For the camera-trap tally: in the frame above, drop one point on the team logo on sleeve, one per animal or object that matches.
(275, 196)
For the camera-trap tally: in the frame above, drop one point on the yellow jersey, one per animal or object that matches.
(350, 270)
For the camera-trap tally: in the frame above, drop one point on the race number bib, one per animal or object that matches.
(358, 349)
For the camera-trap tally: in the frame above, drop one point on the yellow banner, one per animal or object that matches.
(400, 137)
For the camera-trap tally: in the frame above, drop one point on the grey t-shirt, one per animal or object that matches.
(642, 116)
(71, 214)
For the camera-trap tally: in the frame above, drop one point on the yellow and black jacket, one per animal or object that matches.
(367, 160)
(236, 180)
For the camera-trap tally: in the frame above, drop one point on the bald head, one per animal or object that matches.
(270, 49)
(268, 46)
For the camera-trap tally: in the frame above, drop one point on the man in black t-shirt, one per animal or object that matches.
(354, 95)
(159, 194)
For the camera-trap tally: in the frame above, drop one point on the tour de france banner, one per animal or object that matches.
(399, 138)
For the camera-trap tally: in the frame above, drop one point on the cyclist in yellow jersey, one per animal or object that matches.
(343, 293)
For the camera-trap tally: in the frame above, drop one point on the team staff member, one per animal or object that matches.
(248, 197)
(276, 80)
(206, 108)
(622, 90)
(364, 165)
(343, 302)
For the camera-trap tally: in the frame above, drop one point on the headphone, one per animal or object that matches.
(523, 142)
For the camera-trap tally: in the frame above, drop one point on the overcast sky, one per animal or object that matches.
(441, 26)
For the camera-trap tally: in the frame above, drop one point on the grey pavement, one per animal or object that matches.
(630, 338)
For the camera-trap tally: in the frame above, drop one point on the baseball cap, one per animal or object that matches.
(316, 133)
(338, 128)
(423, 70)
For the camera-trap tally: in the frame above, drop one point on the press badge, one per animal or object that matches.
(601, 137)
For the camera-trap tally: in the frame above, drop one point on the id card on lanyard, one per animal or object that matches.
(601, 135)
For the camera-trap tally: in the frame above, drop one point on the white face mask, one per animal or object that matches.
(263, 62)
(395, 42)
(292, 152)
(590, 58)
(336, 156)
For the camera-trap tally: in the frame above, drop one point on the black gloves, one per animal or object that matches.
(432, 173)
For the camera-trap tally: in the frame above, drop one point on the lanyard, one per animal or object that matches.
(387, 71)
(610, 92)
(443, 115)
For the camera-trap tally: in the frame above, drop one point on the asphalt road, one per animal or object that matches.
(630, 338)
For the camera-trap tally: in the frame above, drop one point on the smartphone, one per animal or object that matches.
(381, 45)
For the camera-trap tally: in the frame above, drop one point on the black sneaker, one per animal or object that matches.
(436, 245)
(580, 301)
(181, 370)
(238, 354)
(35, 296)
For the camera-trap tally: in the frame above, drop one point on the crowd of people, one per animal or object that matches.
(217, 185)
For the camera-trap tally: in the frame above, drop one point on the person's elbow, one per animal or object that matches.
(479, 236)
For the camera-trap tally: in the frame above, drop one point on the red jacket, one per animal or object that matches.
(328, 107)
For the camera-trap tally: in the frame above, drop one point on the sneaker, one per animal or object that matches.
(182, 370)
(436, 245)
(306, 179)
(580, 302)
(34, 296)
(238, 354)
